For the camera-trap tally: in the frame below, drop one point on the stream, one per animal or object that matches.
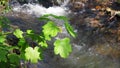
(91, 48)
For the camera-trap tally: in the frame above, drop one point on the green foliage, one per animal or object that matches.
(32, 54)
(50, 30)
(62, 47)
(23, 49)
(3, 55)
(21, 42)
(2, 38)
(43, 44)
(66, 23)
(14, 58)
(18, 33)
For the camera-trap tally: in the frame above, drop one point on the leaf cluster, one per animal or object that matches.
(12, 54)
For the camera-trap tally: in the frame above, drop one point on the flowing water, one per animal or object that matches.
(89, 50)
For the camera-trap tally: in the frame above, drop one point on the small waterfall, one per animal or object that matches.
(38, 9)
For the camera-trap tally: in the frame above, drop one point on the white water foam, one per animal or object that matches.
(38, 10)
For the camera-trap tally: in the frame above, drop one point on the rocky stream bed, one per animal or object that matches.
(98, 36)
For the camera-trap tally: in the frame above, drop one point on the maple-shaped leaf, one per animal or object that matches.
(3, 54)
(62, 47)
(50, 30)
(32, 54)
(18, 33)
(68, 27)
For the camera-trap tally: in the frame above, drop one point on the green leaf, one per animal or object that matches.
(67, 25)
(2, 38)
(3, 54)
(50, 30)
(18, 33)
(21, 42)
(29, 31)
(31, 34)
(32, 54)
(43, 44)
(70, 30)
(62, 47)
(14, 58)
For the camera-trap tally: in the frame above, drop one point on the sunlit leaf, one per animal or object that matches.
(32, 54)
(62, 47)
(18, 33)
(67, 25)
(29, 31)
(50, 30)
(43, 44)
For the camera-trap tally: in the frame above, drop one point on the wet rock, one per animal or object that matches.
(77, 6)
(13, 3)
